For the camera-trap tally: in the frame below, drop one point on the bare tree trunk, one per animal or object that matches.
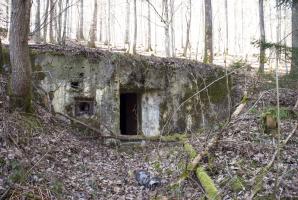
(55, 21)
(7, 14)
(19, 56)
(127, 23)
(100, 21)
(227, 27)
(188, 22)
(133, 50)
(1, 57)
(81, 21)
(173, 39)
(208, 53)
(167, 28)
(263, 39)
(52, 12)
(65, 22)
(109, 24)
(45, 29)
(59, 19)
(294, 67)
(93, 28)
(37, 36)
(182, 30)
(149, 43)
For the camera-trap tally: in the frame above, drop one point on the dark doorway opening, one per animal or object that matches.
(84, 106)
(129, 113)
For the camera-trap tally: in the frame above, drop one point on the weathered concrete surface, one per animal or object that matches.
(162, 84)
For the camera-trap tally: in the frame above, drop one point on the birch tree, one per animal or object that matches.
(208, 50)
(19, 56)
(93, 28)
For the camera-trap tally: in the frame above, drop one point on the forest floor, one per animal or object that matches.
(43, 157)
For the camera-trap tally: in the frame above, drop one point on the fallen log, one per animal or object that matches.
(196, 159)
(240, 106)
(205, 180)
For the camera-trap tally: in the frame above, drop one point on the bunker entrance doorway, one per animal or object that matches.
(129, 113)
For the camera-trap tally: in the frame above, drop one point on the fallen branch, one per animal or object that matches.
(207, 184)
(205, 180)
(196, 159)
(240, 107)
(262, 172)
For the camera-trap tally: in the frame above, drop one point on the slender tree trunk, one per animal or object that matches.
(188, 23)
(19, 56)
(262, 35)
(294, 67)
(81, 21)
(127, 23)
(70, 19)
(173, 39)
(93, 28)
(63, 39)
(1, 57)
(45, 23)
(37, 36)
(100, 20)
(59, 19)
(7, 15)
(134, 44)
(227, 27)
(55, 21)
(109, 25)
(182, 29)
(208, 51)
(52, 13)
(149, 43)
(167, 28)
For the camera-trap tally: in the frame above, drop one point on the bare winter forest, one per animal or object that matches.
(148, 99)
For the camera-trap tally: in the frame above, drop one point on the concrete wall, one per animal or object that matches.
(163, 85)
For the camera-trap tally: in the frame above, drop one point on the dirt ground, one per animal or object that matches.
(44, 157)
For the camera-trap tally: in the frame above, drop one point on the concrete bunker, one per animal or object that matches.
(129, 95)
